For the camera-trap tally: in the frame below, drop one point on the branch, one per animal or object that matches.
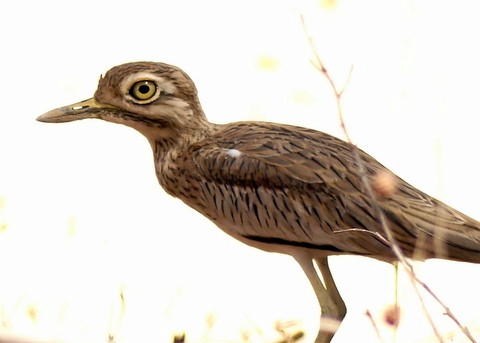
(318, 63)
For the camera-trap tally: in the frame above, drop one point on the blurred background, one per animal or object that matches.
(93, 250)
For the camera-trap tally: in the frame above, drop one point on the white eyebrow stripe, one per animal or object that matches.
(165, 85)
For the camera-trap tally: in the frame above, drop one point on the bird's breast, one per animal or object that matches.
(252, 212)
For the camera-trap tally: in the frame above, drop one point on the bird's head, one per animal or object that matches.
(157, 99)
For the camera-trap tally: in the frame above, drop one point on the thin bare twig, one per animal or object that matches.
(318, 63)
(447, 310)
(373, 233)
(374, 324)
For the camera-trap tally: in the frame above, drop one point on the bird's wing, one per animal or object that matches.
(297, 166)
(325, 171)
(280, 156)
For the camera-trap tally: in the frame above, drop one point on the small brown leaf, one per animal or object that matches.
(384, 183)
(391, 316)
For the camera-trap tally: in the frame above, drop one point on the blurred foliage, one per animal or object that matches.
(3, 224)
(268, 63)
(328, 4)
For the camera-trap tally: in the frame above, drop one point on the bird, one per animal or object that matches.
(276, 187)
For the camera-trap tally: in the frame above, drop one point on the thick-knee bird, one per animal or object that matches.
(275, 187)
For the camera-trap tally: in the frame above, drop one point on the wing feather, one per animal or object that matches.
(321, 171)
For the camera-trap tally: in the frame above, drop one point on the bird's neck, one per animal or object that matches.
(171, 157)
(169, 143)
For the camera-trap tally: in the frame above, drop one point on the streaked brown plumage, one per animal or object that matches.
(276, 187)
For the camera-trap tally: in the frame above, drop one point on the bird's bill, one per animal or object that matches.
(89, 108)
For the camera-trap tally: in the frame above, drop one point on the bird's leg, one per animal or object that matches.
(329, 282)
(332, 306)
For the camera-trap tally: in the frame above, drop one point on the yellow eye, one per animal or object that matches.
(143, 90)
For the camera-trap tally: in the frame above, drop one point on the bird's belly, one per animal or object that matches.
(268, 219)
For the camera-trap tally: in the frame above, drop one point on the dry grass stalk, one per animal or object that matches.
(373, 191)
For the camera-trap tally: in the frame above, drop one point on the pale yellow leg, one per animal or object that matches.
(332, 306)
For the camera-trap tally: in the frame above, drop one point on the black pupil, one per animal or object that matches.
(144, 89)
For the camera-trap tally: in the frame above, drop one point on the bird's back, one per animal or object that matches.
(285, 188)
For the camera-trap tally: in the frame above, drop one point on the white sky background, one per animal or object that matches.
(87, 218)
